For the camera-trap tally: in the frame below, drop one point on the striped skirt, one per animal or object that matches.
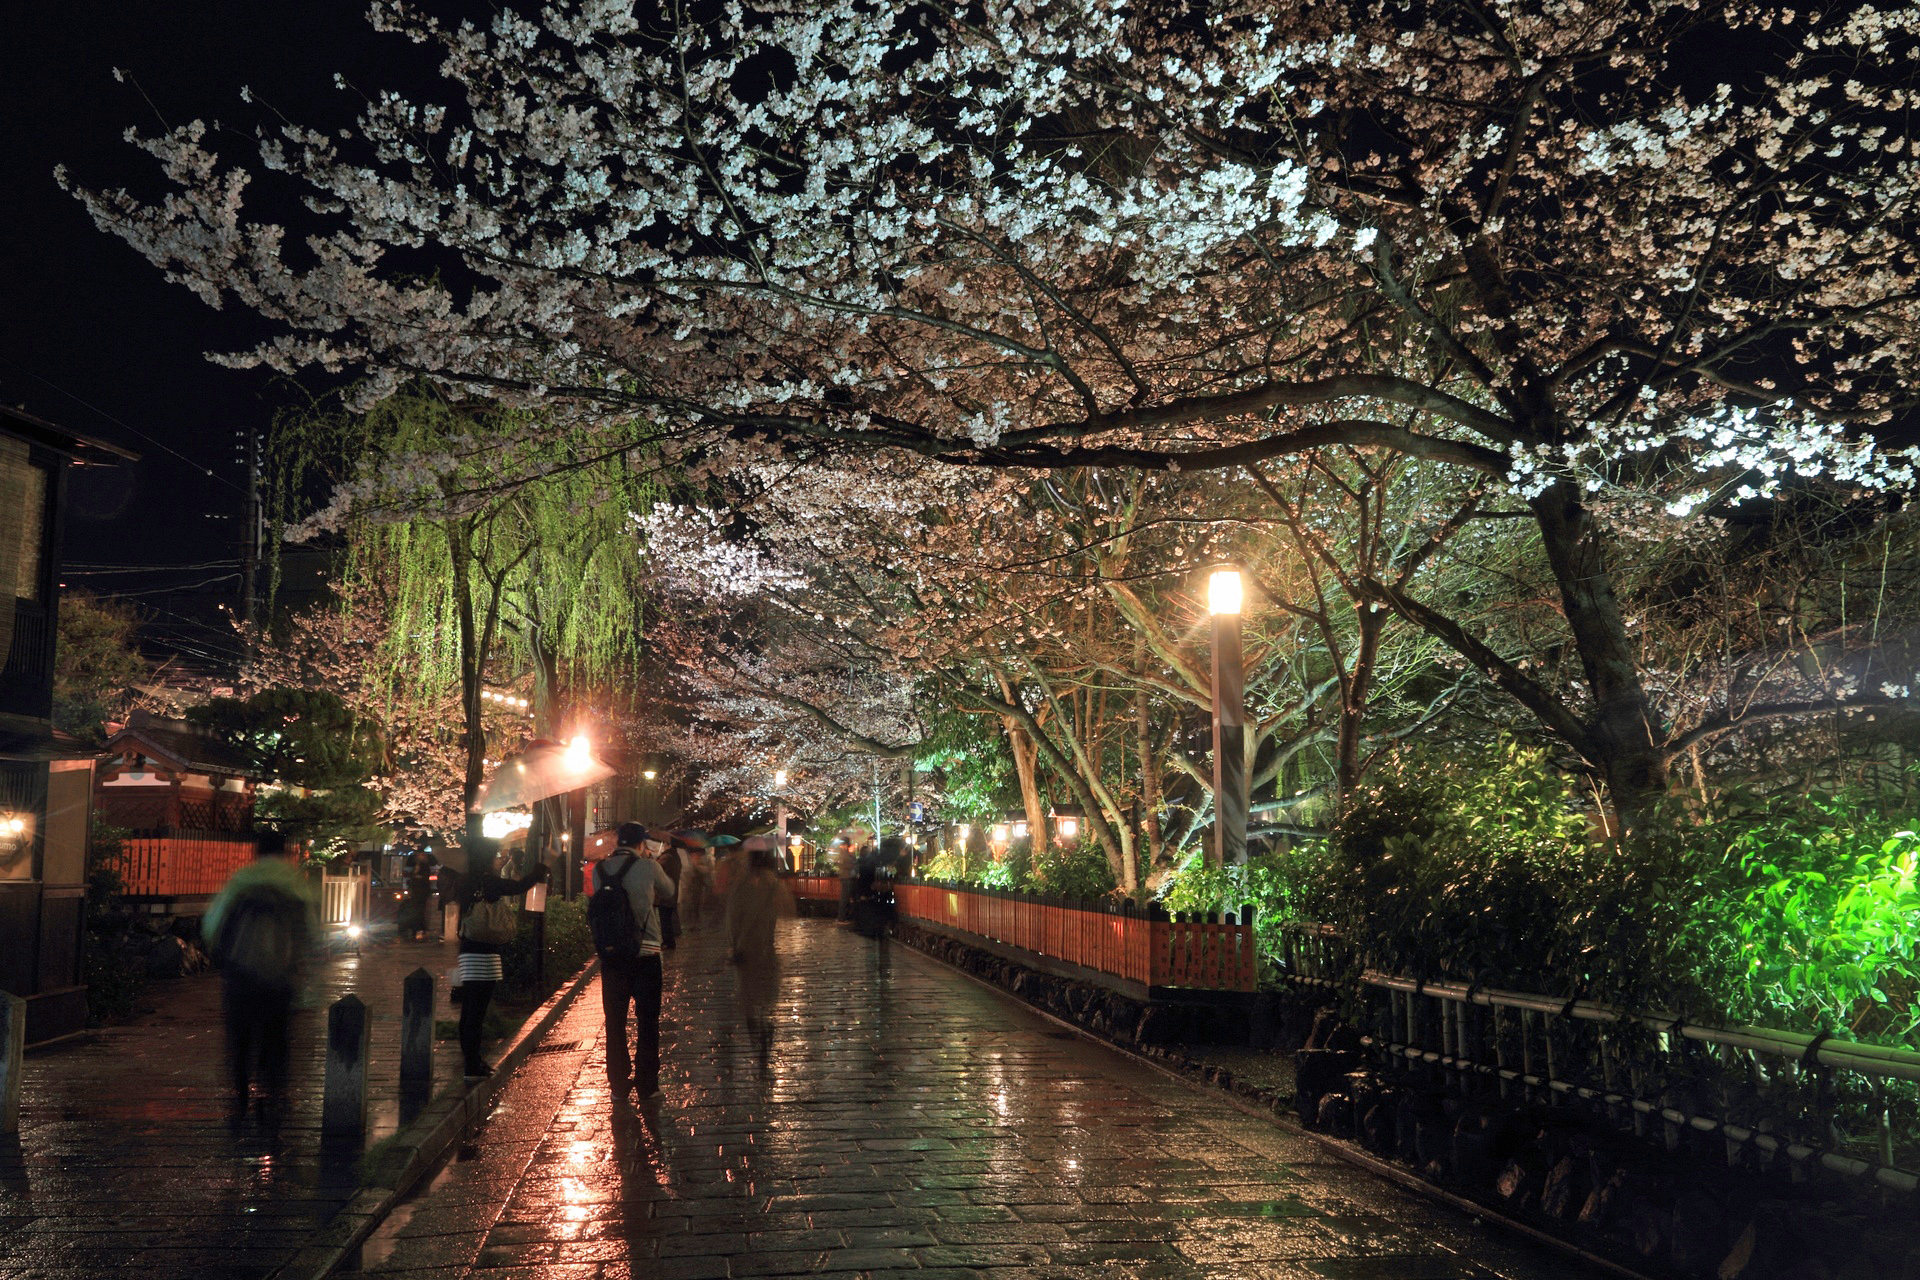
(479, 966)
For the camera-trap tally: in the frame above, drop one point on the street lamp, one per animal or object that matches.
(780, 808)
(1225, 594)
(578, 759)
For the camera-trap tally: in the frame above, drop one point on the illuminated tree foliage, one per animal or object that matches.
(1630, 263)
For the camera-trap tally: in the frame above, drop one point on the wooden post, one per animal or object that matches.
(13, 1052)
(416, 1029)
(343, 1111)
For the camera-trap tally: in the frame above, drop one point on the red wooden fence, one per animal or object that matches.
(182, 864)
(1213, 953)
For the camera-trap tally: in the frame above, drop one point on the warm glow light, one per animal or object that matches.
(965, 831)
(780, 778)
(1224, 591)
(496, 826)
(1019, 831)
(1069, 828)
(1000, 833)
(15, 826)
(648, 774)
(579, 754)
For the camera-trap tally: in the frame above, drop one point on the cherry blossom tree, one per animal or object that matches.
(1577, 249)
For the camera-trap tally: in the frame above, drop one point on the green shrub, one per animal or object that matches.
(943, 866)
(1824, 911)
(1077, 871)
(569, 946)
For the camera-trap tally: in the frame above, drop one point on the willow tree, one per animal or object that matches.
(501, 545)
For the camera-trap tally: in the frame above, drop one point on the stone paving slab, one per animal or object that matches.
(125, 1158)
(908, 1123)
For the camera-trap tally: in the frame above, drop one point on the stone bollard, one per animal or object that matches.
(343, 1110)
(13, 1052)
(416, 1030)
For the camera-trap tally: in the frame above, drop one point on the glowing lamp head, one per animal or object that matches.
(649, 774)
(1224, 591)
(354, 931)
(965, 831)
(579, 754)
(780, 778)
(1069, 828)
(16, 826)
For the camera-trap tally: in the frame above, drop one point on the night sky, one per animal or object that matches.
(91, 337)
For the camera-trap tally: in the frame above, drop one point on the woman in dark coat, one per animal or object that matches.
(413, 908)
(480, 969)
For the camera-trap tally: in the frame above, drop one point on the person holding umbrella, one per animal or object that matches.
(488, 924)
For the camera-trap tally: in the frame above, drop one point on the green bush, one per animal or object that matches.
(1077, 871)
(1796, 914)
(569, 946)
(1823, 909)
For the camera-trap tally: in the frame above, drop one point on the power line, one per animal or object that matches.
(153, 440)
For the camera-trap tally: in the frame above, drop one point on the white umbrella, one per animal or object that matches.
(543, 769)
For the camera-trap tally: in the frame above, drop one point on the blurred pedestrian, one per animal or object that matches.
(488, 926)
(261, 927)
(630, 966)
(756, 904)
(696, 884)
(843, 864)
(668, 854)
(418, 883)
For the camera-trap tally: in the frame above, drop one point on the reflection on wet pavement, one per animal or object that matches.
(907, 1120)
(125, 1160)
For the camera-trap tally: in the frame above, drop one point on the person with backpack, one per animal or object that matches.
(260, 927)
(623, 914)
(488, 925)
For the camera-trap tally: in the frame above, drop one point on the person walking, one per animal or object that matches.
(844, 861)
(261, 927)
(488, 924)
(630, 970)
(754, 907)
(413, 907)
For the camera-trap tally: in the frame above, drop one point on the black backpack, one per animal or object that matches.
(257, 941)
(616, 934)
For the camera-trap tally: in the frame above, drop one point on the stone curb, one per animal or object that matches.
(419, 1148)
(1275, 1108)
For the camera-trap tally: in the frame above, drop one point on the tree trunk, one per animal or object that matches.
(1354, 692)
(1149, 769)
(1631, 760)
(472, 665)
(1026, 766)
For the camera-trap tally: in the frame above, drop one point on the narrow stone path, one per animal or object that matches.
(125, 1160)
(907, 1121)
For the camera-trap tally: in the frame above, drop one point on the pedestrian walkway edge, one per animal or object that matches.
(1357, 1156)
(419, 1148)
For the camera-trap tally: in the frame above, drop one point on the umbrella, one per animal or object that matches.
(692, 839)
(721, 842)
(543, 769)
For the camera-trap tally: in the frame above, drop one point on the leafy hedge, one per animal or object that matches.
(1798, 913)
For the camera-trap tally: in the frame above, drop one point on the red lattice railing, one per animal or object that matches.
(1210, 952)
(181, 864)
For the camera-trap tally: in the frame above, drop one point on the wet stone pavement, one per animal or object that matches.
(125, 1161)
(907, 1121)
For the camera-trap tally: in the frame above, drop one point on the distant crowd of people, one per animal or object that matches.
(263, 929)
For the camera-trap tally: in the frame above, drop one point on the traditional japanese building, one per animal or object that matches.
(186, 803)
(46, 783)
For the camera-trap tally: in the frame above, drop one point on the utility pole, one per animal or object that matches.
(252, 536)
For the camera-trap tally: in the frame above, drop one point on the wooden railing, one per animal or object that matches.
(1147, 946)
(345, 899)
(181, 864)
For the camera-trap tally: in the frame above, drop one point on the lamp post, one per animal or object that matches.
(780, 810)
(579, 759)
(1224, 594)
